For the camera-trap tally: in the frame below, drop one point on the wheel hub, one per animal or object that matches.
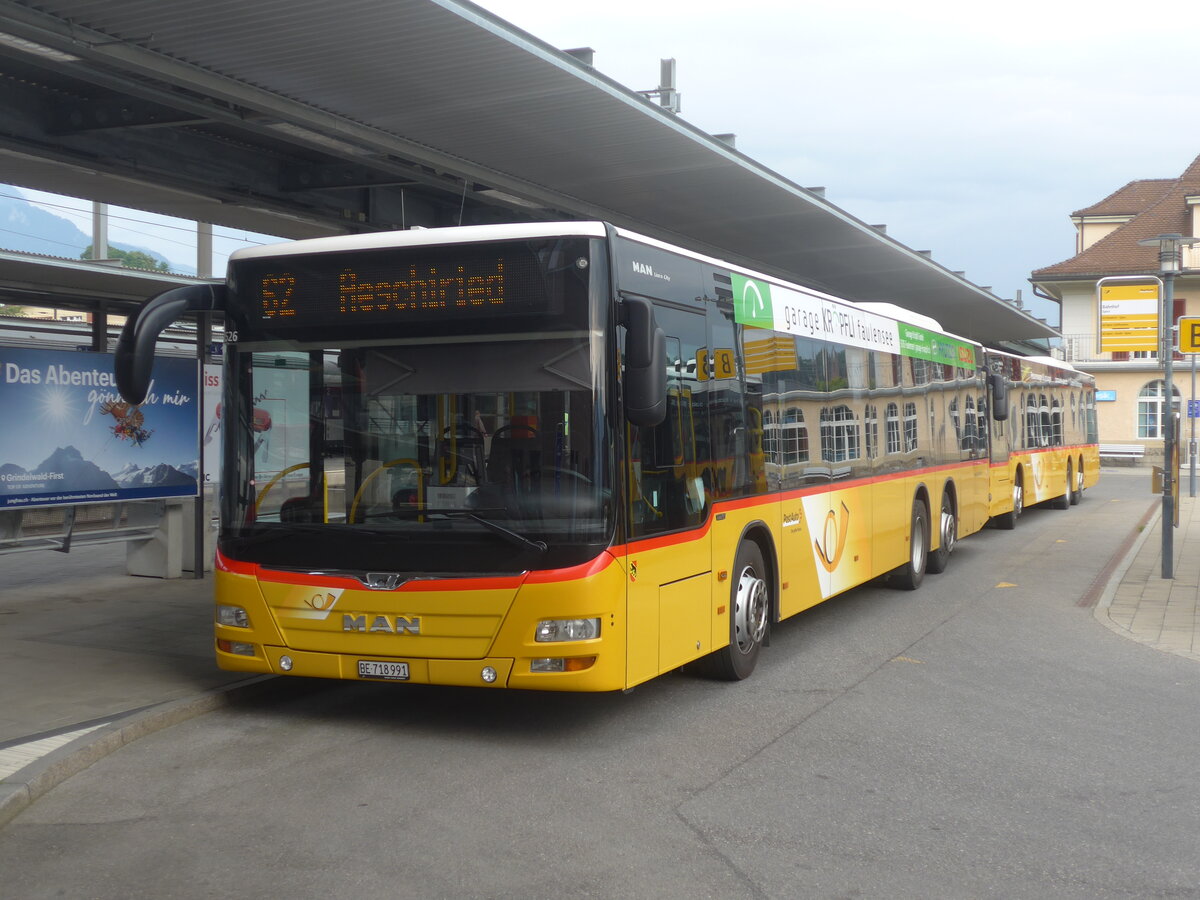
(750, 610)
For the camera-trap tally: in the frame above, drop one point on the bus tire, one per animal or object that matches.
(909, 576)
(947, 537)
(749, 618)
(1008, 521)
(1063, 500)
(1077, 494)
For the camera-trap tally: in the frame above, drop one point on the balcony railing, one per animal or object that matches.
(1084, 348)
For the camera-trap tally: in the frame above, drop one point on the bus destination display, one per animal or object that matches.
(334, 289)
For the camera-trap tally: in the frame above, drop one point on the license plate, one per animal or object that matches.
(391, 671)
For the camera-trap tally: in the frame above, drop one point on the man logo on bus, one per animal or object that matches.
(836, 529)
(752, 302)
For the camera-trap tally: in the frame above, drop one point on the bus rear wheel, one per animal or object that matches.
(1077, 494)
(1008, 521)
(1063, 501)
(749, 618)
(910, 575)
(947, 537)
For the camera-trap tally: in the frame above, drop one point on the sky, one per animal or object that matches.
(169, 236)
(971, 130)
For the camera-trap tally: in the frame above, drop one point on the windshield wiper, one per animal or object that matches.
(514, 537)
(507, 533)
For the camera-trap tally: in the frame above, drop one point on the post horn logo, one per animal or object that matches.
(321, 602)
(836, 530)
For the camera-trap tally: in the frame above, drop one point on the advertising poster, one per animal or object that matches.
(69, 438)
(212, 423)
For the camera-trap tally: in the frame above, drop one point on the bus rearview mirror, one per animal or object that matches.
(645, 364)
(999, 396)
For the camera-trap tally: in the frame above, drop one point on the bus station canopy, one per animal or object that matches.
(305, 118)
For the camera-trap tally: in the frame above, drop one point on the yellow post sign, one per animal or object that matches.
(1128, 317)
(1189, 334)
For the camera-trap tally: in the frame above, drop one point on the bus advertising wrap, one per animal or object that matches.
(71, 439)
(764, 305)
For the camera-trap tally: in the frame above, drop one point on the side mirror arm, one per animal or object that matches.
(134, 354)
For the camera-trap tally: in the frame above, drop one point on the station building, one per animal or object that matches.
(1130, 386)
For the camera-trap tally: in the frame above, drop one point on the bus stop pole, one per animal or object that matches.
(201, 520)
(1192, 441)
(1168, 480)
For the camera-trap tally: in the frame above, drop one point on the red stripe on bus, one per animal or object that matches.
(721, 506)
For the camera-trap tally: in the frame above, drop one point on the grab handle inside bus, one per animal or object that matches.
(645, 364)
(134, 353)
(999, 396)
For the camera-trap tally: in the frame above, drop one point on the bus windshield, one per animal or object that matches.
(444, 454)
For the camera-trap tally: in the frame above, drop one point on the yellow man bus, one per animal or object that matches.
(566, 457)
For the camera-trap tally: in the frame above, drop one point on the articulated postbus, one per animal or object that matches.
(1047, 451)
(567, 457)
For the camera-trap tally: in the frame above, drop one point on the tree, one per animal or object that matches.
(131, 259)
(12, 312)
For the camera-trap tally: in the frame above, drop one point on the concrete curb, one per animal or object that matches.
(1118, 575)
(1100, 611)
(20, 790)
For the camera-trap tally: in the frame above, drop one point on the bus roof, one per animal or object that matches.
(423, 237)
(426, 237)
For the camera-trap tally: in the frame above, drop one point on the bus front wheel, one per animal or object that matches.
(749, 618)
(910, 575)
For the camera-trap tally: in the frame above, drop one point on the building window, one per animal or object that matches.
(839, 434)
(1031, 422)
(795, 436)
(910, 427)
(871, 430)
(892, 414)
(1150, 409)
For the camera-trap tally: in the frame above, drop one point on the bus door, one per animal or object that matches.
(812, 526)
(1001, 433)
(668, 557)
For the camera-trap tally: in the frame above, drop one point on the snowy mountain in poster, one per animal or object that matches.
(78, 474)
(160, 475)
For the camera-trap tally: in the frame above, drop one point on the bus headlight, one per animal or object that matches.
(238, 647)
(232, 615)
(570, 664)
(567, 630)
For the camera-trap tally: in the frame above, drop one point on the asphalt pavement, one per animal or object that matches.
(92, 658)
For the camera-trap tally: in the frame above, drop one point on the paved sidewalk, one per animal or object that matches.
(1140, 604)
(92, 658)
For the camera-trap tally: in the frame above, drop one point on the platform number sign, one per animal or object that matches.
(1189, 334)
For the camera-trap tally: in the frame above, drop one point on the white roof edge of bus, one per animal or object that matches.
(901, 314)
(1042, 360)
(421, 237)
(879, 307)
(1051, 361)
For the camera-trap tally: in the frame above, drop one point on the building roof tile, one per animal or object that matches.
(1128, 200)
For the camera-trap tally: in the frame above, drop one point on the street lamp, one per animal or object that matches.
(1170, 264)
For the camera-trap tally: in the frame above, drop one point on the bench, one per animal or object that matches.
(1132, 452)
